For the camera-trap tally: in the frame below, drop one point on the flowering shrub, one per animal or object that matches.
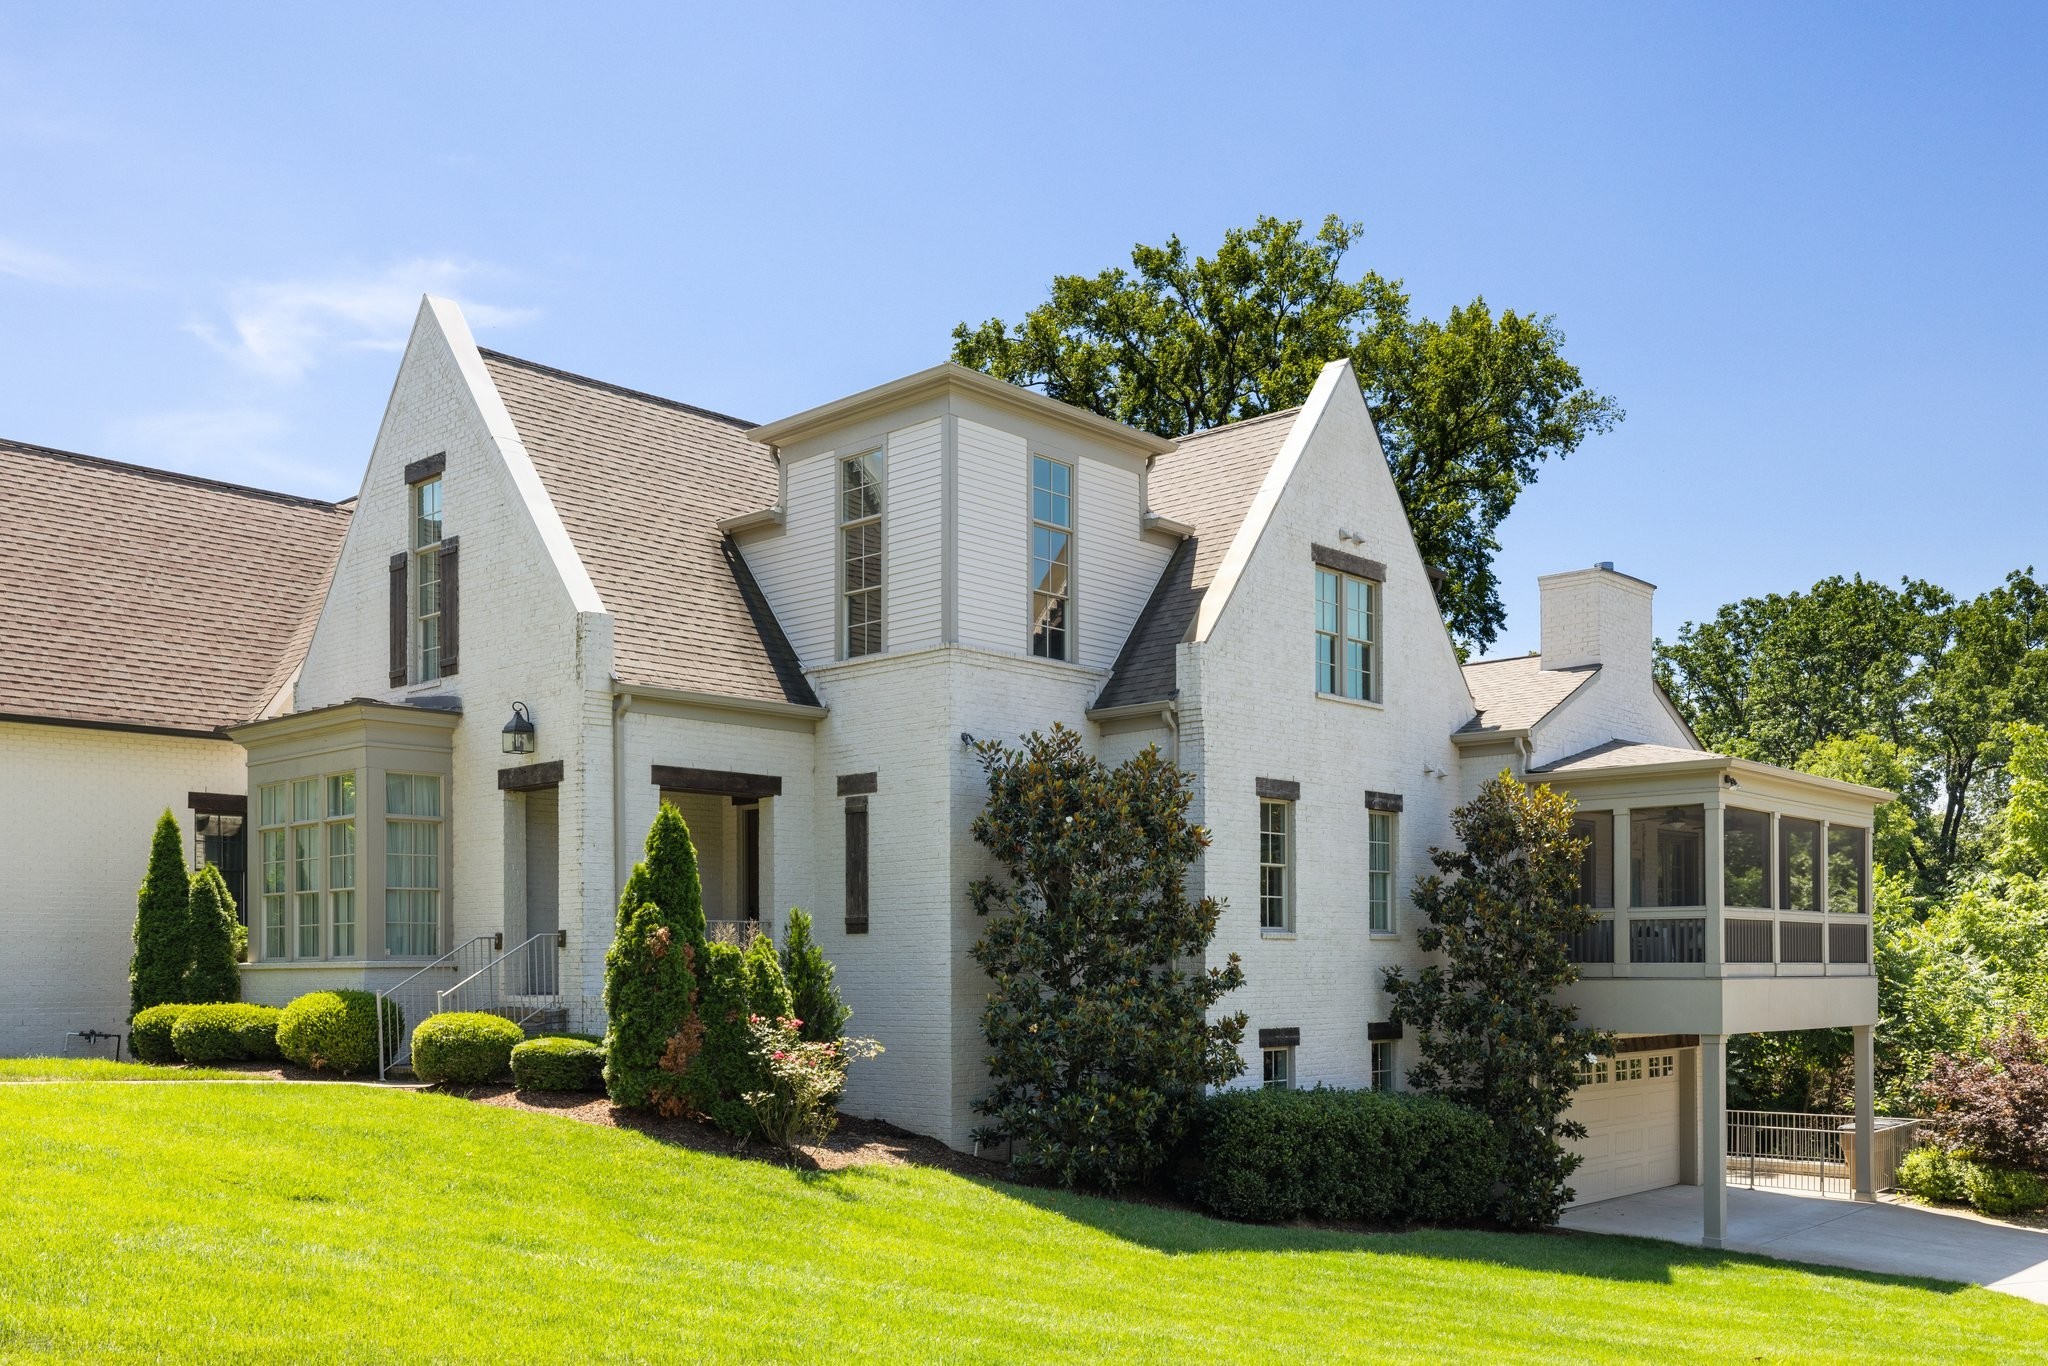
(803, 1077)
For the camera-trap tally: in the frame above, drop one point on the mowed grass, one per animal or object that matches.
(308, 1223)
(100, 1069)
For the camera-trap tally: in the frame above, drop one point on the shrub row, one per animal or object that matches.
(561, 1063)
(1366, 1156)
(211, 1033)
(1935, 1174)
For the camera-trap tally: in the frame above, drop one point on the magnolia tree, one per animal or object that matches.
(1099, 1036)
(1494, 1037)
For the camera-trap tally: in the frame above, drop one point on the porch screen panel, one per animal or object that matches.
(1848, 855)
(1667, 847)
(1799, 865)
(1746, 858)
(1596, 865)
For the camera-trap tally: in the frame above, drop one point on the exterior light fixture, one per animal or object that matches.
(519, 733)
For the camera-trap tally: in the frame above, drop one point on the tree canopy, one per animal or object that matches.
(1468, 408)
(1940, 681)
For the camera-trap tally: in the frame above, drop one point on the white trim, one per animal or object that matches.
(497, 420)
(1267, 501)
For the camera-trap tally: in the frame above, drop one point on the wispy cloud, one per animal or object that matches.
(23, 262)
(282, 329)
(238, 443)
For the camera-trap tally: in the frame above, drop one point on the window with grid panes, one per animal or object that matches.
(1347, 636)
(1278, 1067)
(1276, 908)
(1052, 558)
(341, 864)
(305, 851)
(860, 548)
(412, 864)
(273, 820)
(426, 546)
(1379, 846)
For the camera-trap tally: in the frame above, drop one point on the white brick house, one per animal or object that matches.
(788, 630)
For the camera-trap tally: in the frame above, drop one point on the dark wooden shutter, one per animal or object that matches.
(451, 608)
(857, 865)
(398, 620)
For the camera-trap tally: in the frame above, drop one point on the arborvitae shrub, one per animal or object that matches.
(149, 1034)
(651, 971)
(1357, 1156)
(558, 1064)
(464, 1048)
(163, 947)
(812, 997)
(213, 974)
(336, 1031)
(226, 1032)
(736, 984)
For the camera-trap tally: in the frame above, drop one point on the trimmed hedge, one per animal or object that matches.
(559, 1063)
(337, 1031)
(1934, 1174)
(149, 1034)
(2003, 1191)
(226, 1033)
(464, 1047)
(1366, 1156)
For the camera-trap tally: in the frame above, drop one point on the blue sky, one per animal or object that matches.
(1804, 249)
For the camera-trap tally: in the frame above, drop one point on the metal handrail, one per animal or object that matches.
(386, 1050)
(498, 963)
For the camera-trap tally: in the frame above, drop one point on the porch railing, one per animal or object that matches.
(740, 932)
(414, 997)
(523, 984)
(1770, 1149)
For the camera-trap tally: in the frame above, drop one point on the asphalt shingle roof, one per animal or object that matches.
(1517, 692)
(641, 483)
(1209, 483)
(143, 598)
(1625, 754)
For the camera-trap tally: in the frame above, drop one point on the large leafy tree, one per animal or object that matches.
(1099, 1036)
(1939, 680)
(1468, 408)
(1494, 1036)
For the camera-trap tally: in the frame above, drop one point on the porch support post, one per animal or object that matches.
(1866, 1123)
(1713, 1139)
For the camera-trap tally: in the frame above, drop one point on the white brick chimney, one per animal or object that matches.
(1597, 616)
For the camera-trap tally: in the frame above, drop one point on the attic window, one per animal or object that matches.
(426, 549)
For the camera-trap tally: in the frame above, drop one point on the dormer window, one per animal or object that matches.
(860, 550)
(1052, 558)
(426, 551)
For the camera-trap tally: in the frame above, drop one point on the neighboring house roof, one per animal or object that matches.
(641, 483)
(143, 599)
(1514, 694)
(1209, 483)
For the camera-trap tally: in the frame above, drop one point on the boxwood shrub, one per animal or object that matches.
(336, 1031)
(2003, 1191)
(1934, 1174)
(226, 1033)
(464, 1047)
(1366, 1156)
(560, 1063)
(149, 1034)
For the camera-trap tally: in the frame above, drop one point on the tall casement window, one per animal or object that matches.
(1379, 858)
(272, 819)
(1276, 851)
(856, 865)
(1052, 558)
(306, 865)
(426, 554)
(1383, 1067)
(860, 552)
(1347, 636)
(1277, 1065)
(412, 864)
(341, 864)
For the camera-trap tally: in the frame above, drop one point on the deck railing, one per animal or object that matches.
(1769, 1148)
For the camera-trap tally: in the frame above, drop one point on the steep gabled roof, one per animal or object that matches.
(1209, 484)
(1515, 693)
(641, 484)
(143, 599)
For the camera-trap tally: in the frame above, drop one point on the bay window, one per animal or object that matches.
(412, 864)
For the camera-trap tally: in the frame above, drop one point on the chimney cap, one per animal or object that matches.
(1607, 565)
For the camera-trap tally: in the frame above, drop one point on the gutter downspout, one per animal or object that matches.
(622, 702)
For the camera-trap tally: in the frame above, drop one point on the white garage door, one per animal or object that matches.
(1629, 1106)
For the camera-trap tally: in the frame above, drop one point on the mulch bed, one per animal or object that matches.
(855, 1143)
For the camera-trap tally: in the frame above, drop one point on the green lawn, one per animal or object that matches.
(279, 1222)
(99, 1069)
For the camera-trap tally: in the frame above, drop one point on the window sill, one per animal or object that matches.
(1276, 934)
(279, 964)
(1384, 934)
(1366, 703)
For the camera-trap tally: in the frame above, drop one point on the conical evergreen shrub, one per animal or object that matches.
(652, 972)
(737, 983)
(163, 948)
(809, 974)
(214, 974)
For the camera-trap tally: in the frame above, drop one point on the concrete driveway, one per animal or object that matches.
(1900, 1239)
